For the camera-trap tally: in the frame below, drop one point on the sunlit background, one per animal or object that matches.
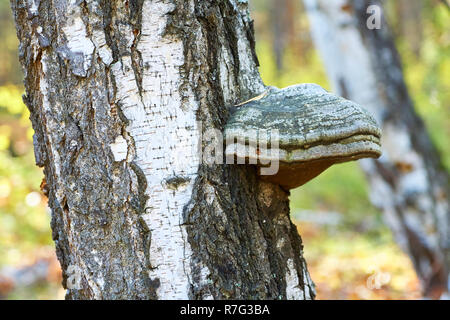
(347, 245)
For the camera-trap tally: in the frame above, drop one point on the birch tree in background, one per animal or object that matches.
(282, 20)
(120, 93)
(408, 182)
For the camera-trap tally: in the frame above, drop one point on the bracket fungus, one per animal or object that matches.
(304, 129)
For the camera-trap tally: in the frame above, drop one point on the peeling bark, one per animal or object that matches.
(116, 92)
(408, 182)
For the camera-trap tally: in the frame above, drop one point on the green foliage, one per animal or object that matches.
(11, 101)
(428, 77)
(342, 189)
(305, 69)
(24, 220)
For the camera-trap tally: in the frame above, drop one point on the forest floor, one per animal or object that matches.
(354, 266)
(348, 266)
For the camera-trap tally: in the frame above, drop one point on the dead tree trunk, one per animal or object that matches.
(408, 182)
(120, 93)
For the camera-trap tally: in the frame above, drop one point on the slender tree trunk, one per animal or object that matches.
(408, 182)
(282, 20)
(120, 93)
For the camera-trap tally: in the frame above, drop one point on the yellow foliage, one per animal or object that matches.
(11, 99)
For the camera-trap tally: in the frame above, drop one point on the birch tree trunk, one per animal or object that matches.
(408, 182)
(120, 93)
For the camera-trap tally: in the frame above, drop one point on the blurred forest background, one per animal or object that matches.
(350, 252)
